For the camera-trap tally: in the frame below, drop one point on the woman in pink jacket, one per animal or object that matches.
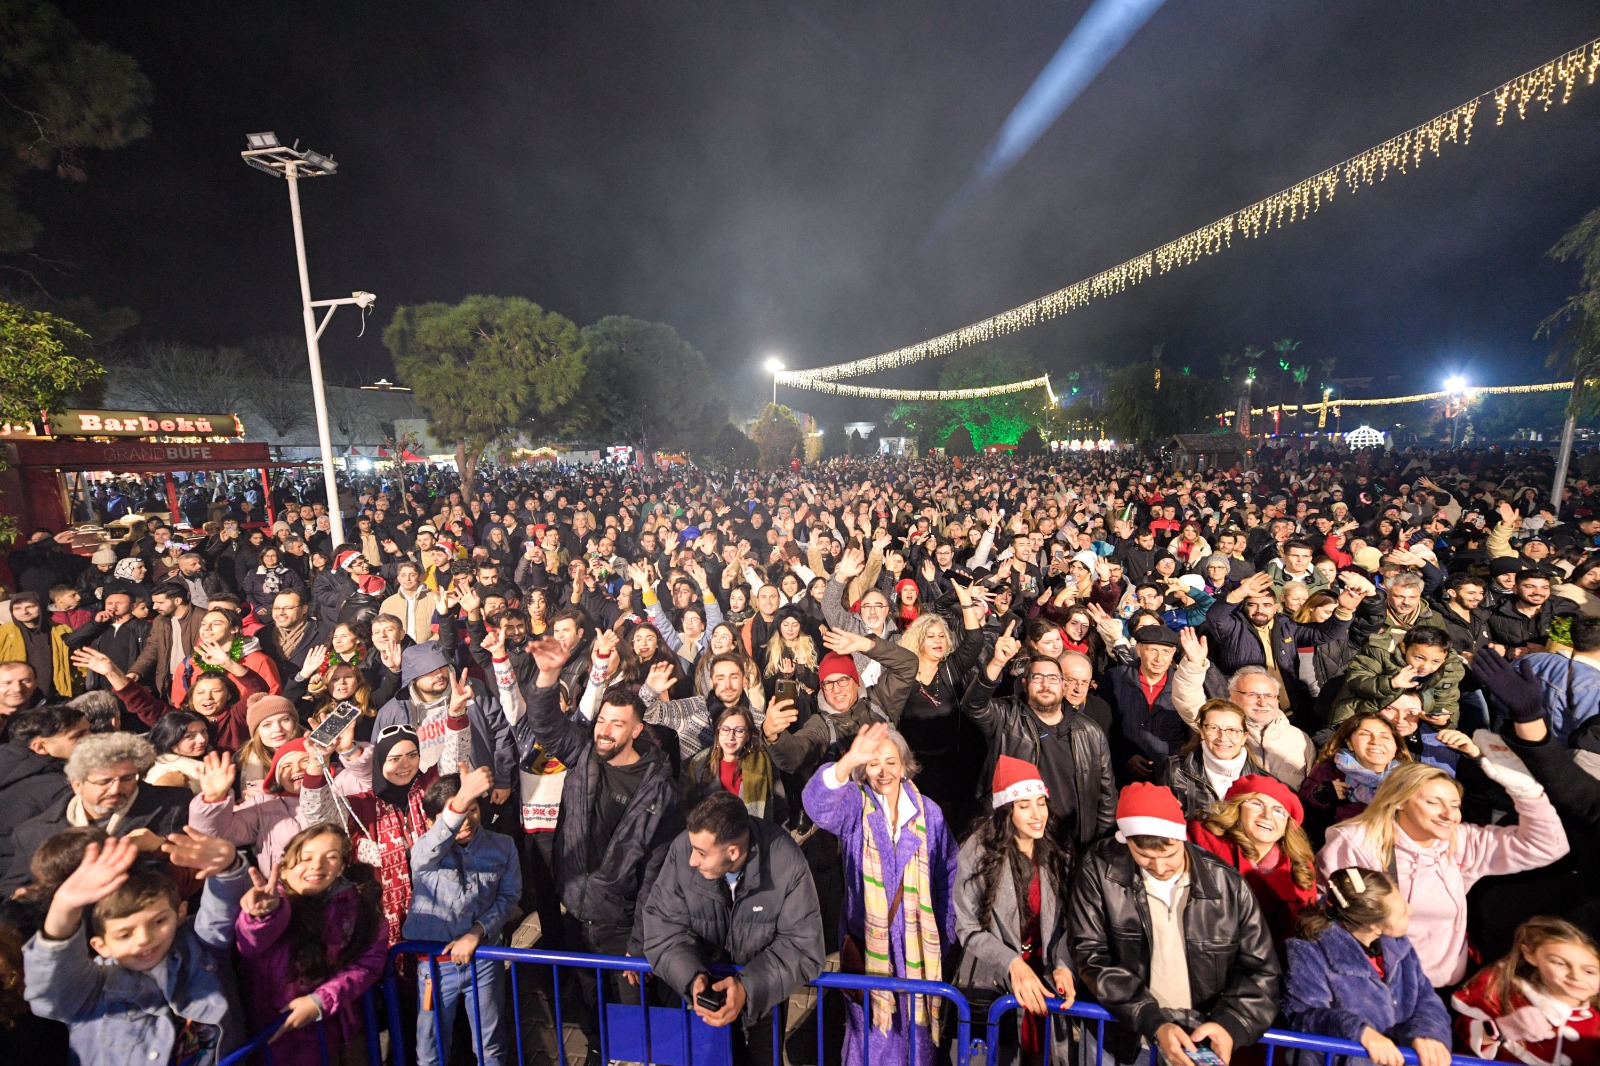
(1413, 829)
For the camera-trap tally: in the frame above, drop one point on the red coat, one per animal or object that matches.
(1281, 899)
(232, 730)
(1543, 1034)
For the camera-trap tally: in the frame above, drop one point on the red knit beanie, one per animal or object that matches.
(834, 664)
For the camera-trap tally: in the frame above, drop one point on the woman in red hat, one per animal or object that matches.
(1011, 879)
(1256, 829)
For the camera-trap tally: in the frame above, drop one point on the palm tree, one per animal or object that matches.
(1578, 323)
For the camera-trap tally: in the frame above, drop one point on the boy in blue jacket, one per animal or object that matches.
(464, 882)
(160, 990)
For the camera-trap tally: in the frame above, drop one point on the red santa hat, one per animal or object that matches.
(1150, 810)
(1016, 779)
(343, 560)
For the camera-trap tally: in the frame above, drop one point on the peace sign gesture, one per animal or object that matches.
(262, 898)
(460, 694)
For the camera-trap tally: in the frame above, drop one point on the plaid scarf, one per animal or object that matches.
(921, 930)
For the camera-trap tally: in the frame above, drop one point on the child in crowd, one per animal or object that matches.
(464, 882)
(159, 986)
(310, 943)
(1353, 974)
(65, 609)
(1540, 1004)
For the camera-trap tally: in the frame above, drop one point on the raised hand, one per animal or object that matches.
(1007, 646)
(475, 784)
(102, 871)
(470, 601)
(1405, 679)
(217, 774)
(460, 694)
(316, 657)
(846, 643)
(660, 678)
(864, 748)
(263, 895)
(549, 656)
(195, 851)
(850, 565)
(781, 714)
(213, 653)
(94, 661)
(605, 643)
(494, 642)
(1195, 648)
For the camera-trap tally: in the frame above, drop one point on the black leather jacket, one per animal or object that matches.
(1234, 973)
(1009, 726)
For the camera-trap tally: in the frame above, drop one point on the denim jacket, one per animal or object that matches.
(453, 886)
(117, 1016)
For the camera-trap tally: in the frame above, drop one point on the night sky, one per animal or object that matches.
(764, 176)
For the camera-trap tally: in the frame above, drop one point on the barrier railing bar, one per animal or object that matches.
(516, 1010)
(477, 1011)
(1329, 1046)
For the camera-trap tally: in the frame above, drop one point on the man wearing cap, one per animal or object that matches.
(423, 704)
(1040, 727)
(1169, 939)
(1146, 729)
(334, 586)
(31, 638)
(873, 619)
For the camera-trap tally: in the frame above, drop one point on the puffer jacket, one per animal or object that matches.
(1234, 975)
(608, 895)
(1011, 729)
(1368, 685)
(769, 926)
(1234, 644)
(113, 1012)
(1333, 989)
(30, 784)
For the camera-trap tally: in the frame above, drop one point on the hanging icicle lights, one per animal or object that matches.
(919, 395)
(1546, 86)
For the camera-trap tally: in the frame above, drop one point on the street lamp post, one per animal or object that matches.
(774, 366)
(1456, 386)
(265, 153)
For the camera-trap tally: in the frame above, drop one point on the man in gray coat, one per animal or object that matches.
(735, 889)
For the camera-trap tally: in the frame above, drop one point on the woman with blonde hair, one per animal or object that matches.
(791, 653)
(1413, 828)
(949, 747)
(1256, 829)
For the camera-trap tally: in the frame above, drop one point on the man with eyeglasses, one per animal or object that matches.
(873, 620)
(691, 717)
(1286, 751)
(1047, 727)
(105, 772)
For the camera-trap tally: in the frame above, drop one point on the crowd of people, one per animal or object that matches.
(1314, 743)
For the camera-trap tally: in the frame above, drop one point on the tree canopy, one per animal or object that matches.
(778, 436)
(482, 366)
(647, 386)
(60, 95)
(990, 419)
(1576, 325)
(43, 361)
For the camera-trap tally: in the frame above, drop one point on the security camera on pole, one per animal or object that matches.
(292, 163)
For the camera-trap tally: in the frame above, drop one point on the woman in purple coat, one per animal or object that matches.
(310, 943)
(899, 875)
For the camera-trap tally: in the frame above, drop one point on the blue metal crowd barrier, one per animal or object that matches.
(675, 1036)
(1327, 1046)
(258, 1049)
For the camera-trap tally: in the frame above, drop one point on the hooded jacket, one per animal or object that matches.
(607, 894)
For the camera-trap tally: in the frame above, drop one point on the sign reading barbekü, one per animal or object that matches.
(142, 424)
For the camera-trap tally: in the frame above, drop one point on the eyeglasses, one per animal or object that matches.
(1271, 810)
(1231, 732)
(1048, 679)
(107, 782)
(735, 732)
(836, 680)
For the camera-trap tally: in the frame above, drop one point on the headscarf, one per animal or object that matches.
(386, 790)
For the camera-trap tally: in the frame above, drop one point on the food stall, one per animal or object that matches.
(53, 465)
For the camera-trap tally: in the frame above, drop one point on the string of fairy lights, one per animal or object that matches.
(1548, 85)
(918, 395)
(1420, 397)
